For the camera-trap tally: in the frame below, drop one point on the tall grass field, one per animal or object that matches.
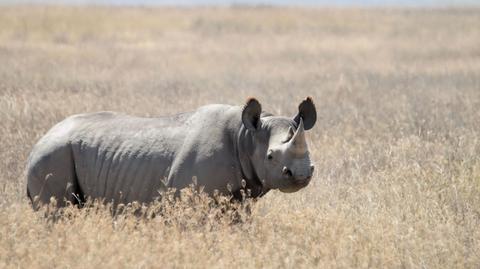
(396, 145)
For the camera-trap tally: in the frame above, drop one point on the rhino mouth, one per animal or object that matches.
(296, 185)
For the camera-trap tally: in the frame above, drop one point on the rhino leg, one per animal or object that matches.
(51, 174)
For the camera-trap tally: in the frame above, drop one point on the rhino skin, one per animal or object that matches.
(120, 158)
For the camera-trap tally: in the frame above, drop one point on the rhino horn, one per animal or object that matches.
(298, 143)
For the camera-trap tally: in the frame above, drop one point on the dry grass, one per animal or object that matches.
(396, 147)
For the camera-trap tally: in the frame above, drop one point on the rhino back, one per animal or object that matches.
(125, 158)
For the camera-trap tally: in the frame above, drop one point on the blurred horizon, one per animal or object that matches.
(320, 3)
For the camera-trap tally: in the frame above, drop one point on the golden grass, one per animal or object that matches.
(396, 147)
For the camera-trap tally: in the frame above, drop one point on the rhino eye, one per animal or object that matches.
(269, 155)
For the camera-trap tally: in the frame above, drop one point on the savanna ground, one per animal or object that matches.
(396, 145)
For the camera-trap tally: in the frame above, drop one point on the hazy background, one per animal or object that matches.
(396, 145)
(367, 3)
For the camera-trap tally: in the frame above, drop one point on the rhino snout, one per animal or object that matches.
(299, 177)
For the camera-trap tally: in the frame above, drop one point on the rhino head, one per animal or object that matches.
(278, 151)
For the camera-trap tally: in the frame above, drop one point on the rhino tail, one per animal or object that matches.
(29, 195)
(77, 193)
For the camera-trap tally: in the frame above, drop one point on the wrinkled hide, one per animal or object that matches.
(121, 158)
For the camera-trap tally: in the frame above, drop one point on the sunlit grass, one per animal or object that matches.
(396, 145)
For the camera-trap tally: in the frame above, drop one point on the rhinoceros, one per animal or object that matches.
(120, 158)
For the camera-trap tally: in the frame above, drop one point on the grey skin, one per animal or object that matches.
(121, 159)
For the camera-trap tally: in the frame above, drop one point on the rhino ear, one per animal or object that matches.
(306, 111)
(251, 114)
